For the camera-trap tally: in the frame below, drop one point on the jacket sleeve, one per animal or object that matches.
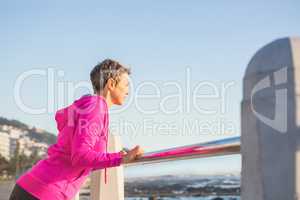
(89, 128)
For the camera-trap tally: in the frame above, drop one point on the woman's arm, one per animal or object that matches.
(90, 125)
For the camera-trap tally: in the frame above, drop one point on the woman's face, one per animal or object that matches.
(120, 91)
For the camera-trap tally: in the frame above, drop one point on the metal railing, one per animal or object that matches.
(221, 147)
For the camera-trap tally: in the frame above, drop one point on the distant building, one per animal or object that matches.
(25, 145)
(4, 145)
(15, 133)
(11, 136)
(28, 146)
(12, 146)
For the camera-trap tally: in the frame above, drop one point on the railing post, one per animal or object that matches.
(270, 119)
(114, 189)
(76, 197)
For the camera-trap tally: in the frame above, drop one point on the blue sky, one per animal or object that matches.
(159, 40)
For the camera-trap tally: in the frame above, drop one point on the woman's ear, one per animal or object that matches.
(111, 83)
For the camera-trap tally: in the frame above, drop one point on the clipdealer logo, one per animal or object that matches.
(279, 122)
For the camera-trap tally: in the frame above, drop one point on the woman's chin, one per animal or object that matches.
(119, 103)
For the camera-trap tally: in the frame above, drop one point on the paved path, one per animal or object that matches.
(5, 189)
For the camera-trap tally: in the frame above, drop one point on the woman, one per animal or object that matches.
(82, 140)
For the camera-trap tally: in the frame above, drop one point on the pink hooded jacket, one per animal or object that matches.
(80, 148)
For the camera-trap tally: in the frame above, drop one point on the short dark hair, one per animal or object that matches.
(105, 70)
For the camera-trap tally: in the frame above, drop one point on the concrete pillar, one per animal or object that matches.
(76, 197)
(270, 119)
(114, 189)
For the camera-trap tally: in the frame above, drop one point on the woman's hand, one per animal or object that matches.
(131, 155)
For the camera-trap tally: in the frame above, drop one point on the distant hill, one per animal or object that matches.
(35, 134)
(13, 123)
